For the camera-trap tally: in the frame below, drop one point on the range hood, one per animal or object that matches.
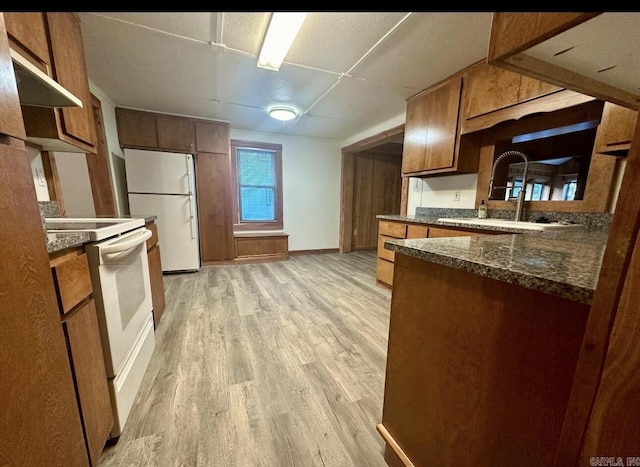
(38, 89)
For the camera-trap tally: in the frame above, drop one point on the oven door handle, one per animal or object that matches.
(127, 245)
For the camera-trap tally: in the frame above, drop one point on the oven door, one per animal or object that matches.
(120, 273)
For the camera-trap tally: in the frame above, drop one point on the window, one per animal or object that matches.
(537, 191)
(257, 179)
(515, 189)
(569, 190)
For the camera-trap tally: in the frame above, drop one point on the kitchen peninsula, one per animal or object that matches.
(485, 334)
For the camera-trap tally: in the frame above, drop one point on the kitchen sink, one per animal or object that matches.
(511, 224)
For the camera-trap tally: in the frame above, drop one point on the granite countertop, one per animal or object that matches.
(566, 264)
(59, 241)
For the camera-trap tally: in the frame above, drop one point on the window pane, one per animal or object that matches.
(255, 167)
(256, 204)
(537, 192)
(570, 190)
(515, 190)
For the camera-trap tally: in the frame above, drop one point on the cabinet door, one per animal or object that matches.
(157, 283)
(176, 133)
(415, 135)
(212, 137)
(616, 129)
(85, 353)
(488, 88)
(443, 125)
(10, 114)
(136, 129)
(28, 31)
(431, 129)
(71, 72)
(215, 218)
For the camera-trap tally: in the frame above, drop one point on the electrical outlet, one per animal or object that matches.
(456, 196)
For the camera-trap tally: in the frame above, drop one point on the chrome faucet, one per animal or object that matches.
(523, 189)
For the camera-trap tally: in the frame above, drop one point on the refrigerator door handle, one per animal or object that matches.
(190, 187)
(192, 218)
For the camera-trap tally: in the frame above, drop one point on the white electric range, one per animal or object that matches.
(119, 268)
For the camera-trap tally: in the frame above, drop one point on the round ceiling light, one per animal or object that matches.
(282, 113)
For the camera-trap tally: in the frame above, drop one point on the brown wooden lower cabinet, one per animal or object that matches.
(155, 273)
(157, 283)
(79, 321)
(478, 374)
(262, 246)
(390, 230)
(87, 360)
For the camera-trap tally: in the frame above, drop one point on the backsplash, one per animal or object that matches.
(592, 220)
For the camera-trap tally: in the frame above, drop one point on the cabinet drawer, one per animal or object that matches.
(384, 253)
(416, 231)
(384, 271)
(392, 229)
(73, 281)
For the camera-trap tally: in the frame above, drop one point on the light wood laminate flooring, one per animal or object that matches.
(271, 364)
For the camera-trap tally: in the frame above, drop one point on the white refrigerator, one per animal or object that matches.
(163, 184)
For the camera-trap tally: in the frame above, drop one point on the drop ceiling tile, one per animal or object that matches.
(245, 31)
(253, 86)
(200, 26)
(363, 100)
(407, 57)
(337, 41)
(186, 68)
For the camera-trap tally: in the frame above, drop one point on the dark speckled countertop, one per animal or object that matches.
(566, 264)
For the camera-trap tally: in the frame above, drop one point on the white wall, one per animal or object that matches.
(311, 188)
(73, 175)
(439, 192)
(39, 181)
(116, 155)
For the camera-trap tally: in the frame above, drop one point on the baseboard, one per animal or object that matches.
(313, 252)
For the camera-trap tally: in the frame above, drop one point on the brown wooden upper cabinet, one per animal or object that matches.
(176, 133)
(432, 144)
(616, 129)
(488, 88)
(140, 129)
(71, 128)
(430, 129)
(212, 137)
(28, 35)
(136, 129)
(10, 117)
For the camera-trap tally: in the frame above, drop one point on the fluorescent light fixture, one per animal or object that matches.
(282, 113)
(282, 30)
